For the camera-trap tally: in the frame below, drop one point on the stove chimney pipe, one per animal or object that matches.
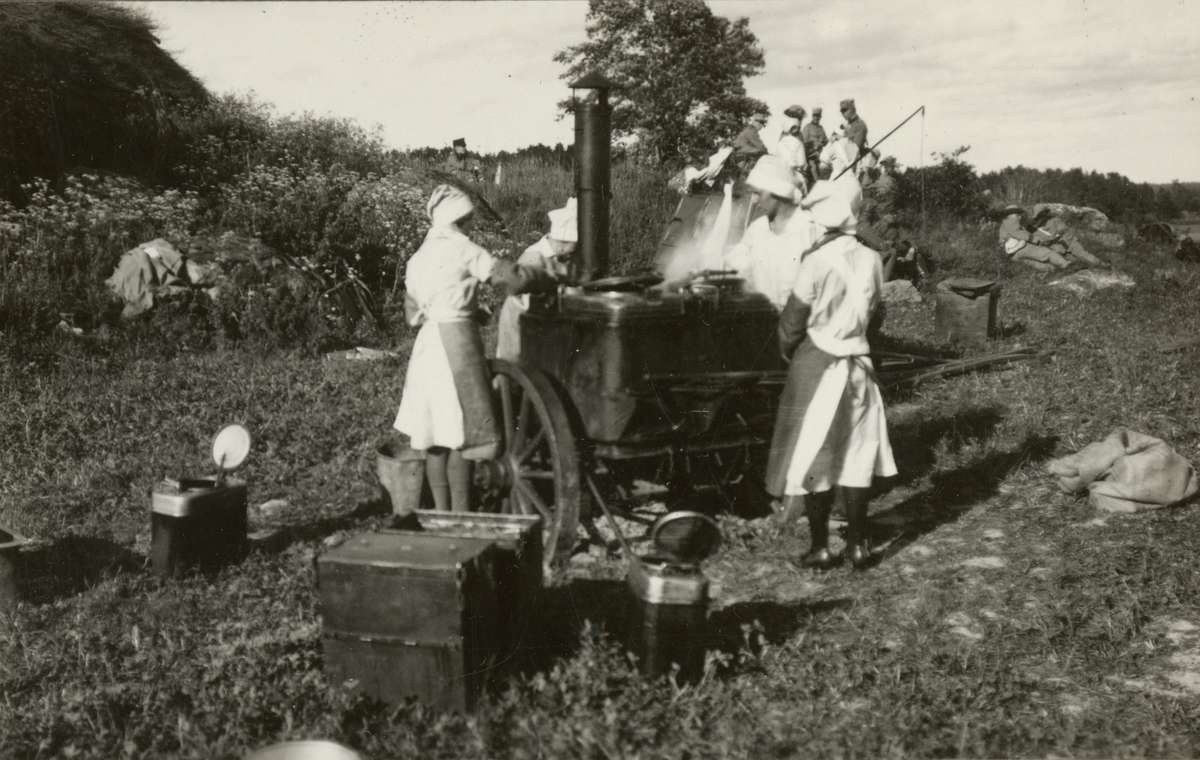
(593, 175)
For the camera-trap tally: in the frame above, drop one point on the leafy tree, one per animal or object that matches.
(680, 69)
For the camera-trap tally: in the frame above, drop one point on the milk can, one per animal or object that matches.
(670, 622)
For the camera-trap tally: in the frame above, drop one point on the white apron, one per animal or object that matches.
(843, 438)
(442, 278)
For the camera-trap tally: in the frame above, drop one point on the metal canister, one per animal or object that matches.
(967, 309)
(670, 625)
(670, 628)
(197, 522)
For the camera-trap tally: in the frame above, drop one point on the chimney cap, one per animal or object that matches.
(594, 80)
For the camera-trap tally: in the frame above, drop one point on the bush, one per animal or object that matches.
(57, 251)
(948, 191)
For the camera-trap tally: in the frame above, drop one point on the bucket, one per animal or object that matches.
(401, 471)
(966, 309)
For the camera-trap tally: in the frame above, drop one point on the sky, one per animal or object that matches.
(1104, 85)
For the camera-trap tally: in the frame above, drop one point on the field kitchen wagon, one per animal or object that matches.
(619, 379)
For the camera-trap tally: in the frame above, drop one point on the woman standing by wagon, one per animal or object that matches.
(831, 431)
(446, 409)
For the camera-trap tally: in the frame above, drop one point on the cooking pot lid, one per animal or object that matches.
(686, 537)
(231, 446)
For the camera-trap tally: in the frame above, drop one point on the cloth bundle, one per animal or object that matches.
(1127, 472)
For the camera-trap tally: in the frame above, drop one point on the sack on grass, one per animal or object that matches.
(1127, 472)
(1076, 471)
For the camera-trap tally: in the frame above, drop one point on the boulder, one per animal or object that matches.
(1088, 281)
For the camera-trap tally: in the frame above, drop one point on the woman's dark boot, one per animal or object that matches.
(818, 507)
(858, 538)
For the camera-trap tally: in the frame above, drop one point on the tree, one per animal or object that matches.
(680, 69)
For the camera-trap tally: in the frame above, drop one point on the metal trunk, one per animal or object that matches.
(411, 615)
(517, 568)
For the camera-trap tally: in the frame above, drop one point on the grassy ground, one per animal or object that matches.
(1005, 619)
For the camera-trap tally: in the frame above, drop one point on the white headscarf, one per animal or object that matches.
(447, 205)
(839, 154)
(834, 205)
(771, 175)
(564, 222)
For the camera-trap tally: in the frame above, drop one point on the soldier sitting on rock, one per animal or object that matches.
(1039, 249)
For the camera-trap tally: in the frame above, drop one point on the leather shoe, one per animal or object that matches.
(821, 559)
(860, 555)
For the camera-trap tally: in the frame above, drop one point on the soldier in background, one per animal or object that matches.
(856, 128)
(462, 164)
(814, 137)
(748, 147)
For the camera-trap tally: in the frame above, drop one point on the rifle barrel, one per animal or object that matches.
(876, 145)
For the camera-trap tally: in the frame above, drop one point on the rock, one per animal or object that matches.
(985, 563)
(900, 291)
(1091, 218)
(273, 507)
(1088, 281)
(1108, 239)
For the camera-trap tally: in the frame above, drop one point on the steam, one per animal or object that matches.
(702, 247)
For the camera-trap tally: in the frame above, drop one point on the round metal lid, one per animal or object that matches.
(231, 446)
(686, 537)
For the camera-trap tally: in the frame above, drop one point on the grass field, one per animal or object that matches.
(1005, 619)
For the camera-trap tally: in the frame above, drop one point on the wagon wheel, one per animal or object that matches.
(538, 474)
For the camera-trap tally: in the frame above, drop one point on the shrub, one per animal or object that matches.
(378, 227)
(950, 190)
(57, 251)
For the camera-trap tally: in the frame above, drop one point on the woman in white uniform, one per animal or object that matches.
(831, 431)
(552, 253)
(446, 409)
(768, 255)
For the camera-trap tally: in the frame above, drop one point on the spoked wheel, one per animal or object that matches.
(538, 474)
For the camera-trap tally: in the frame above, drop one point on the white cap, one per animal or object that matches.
(447, 205)
(772, 175)
(563, 223)
(834, 205)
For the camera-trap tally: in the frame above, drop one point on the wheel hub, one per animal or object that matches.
(495, 474)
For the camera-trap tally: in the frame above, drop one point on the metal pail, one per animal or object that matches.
(401, 471)
(967, 309)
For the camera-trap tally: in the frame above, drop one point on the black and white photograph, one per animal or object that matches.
(639, 379)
